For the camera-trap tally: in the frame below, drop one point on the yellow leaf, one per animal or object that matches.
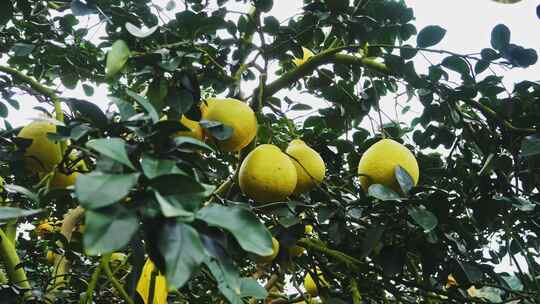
(160, 284)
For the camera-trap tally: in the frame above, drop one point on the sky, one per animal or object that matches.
(468, 24)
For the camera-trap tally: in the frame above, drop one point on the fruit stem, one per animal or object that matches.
(92, 285)
(316, 245)
(61, 263)
(356, 297)
(105, 265)
(16, 275)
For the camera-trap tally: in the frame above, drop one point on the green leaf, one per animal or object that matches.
(96, 190)
(117, 58)
(114, 148)
(500, 37)
(404, 179)
(530, 146)
(23, 191)
(271, 25)
(8, 213)
(153, 167)
(109, 229)
(457, 64)
(373, 238)
(480, 66)
(88, 89)
(217, 129)
(246, 228)
(382, 192)
(264, 5)
(185, 141)
(148, 107)
(21, 49)
(424, 218)
(430, 36)
(182, 251)
(6, 13)
(251, 288)
(171, 208)
(171, 184)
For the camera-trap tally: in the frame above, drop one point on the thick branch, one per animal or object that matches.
(30, 81)
(10, 258)
(325, 57)
(61, 264)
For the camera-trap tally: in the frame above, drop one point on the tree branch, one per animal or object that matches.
(16, 275)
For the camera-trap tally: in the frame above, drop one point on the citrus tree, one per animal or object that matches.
(207, 179)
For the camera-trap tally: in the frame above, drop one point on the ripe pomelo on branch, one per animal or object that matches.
(267, 174)
(43, 154)
(311, 286)
(378, 164)
(269, 258)
(235, 114)
(195, 130)
(310, 168)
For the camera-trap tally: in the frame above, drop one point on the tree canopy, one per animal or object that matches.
(148, 189)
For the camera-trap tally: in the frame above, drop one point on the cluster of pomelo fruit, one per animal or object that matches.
(266, 175)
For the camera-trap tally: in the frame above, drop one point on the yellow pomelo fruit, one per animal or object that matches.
(309, 165)
(43, 154)
(307, 54)
(267, 174)
(235, 114)
(196, 130)
(269, 258)
(61, 180)
(117, 258)
(311, 286)
(379, 163)
(160, 285)
(50, 257)
(44, 228)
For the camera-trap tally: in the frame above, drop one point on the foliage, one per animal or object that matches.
(177, 199)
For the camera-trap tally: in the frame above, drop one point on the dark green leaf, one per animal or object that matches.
(530, 146)
(148, 107)
(246, 228)
(8, 213)
(424, 218)
(457, 64)
(114, 148)
(171, 184)
(6, 12)
(109, 229)
(182, 251)
(81, 9)
(96, 190)
(185, 141)
(217, 129)
(23, 191)
(489, 54)
(382, 192)
(407, 52)
(430, 36)
(404, 179)
(480, 66)
(264, 5)
(88, 89)
(22, 49)
(271, 25)
(500, 37)
(171, 208)
(251, 288)
(88, 111)
(371, 240)
(117, 58)
(153, 167)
